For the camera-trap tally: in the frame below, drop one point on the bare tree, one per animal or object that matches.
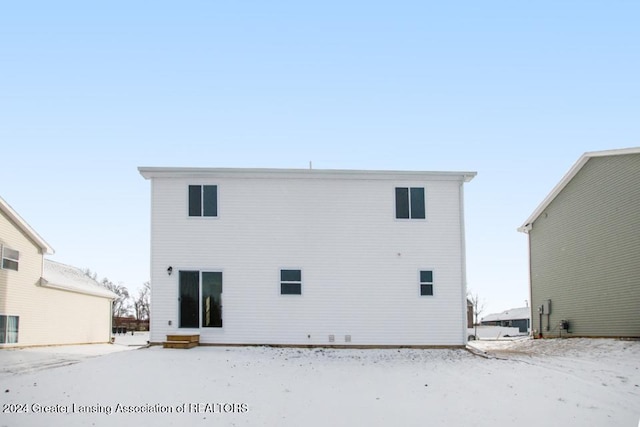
(121, 305)
(141, 304)
(478, 308)
(91, 274)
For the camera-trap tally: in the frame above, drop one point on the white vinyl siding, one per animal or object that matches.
(359, 263)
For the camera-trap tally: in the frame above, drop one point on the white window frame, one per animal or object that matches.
(6, 329)
(202, 215)
(289, 282)
(409, 187)
(432, 282)
(7, 257)
(200, 270)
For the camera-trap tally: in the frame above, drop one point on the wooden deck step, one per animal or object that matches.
(179, 344)
(191, 338)
(181, 341)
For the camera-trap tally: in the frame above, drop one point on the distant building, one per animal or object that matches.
(128, 324)
(584, 245)
(43, 302)
(514, 318)
(308, 257)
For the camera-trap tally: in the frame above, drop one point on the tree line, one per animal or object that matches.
(125, 304)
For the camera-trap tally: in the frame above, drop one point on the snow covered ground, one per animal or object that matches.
(520, 382)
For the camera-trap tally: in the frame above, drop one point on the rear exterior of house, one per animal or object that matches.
(308, 257)
(584, 244)
(39, 303)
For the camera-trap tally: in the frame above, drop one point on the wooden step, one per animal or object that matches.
(190, 338)
(179, 344)
(181, 341)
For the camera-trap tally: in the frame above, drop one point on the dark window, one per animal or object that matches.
(188, 284)
(210, 199)
(9, 326)
(426, 282)
(402, 203)
(10, 258)
(195, 200)
(410, 203)
(417, 203)
(290, 282)
(203, 200)
(212, 299)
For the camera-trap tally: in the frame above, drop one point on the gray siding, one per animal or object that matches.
(585, 252)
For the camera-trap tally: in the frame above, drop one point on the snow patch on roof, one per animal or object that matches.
(511, 314)
(68, 278)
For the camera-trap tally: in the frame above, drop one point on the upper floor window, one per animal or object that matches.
(290, 282)
(10, 258)
(410, 203)
(203, 200)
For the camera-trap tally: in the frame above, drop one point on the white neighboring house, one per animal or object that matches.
(308, 257)
(43, 302)
(515, 317)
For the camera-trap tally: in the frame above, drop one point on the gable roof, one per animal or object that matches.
(24, 227)
(511, 314)
(524, 228)
(68, 278)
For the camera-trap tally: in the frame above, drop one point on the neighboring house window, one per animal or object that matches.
(203, 200)
(290, 282)
(10, 258)
(9, 329)
(410, 203)
(426, 282)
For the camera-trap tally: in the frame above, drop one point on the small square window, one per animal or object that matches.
(426, 282)
(10, 259)
(203, 200)
(410, 203)
(290, 282)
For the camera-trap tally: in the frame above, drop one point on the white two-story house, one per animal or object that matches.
(308, 257)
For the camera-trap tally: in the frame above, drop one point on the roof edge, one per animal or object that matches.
(156, 172)
(52, 285)
(25, 227)
(577, 166)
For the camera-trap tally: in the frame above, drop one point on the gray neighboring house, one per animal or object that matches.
(584, 248)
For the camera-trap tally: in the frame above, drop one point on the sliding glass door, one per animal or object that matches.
(200, 294)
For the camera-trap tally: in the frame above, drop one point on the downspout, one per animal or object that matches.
(528, 232)
(463, 261)
(111, 339)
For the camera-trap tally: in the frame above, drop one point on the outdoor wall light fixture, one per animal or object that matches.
(169, 270)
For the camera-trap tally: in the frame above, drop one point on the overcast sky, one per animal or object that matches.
(516, 91)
